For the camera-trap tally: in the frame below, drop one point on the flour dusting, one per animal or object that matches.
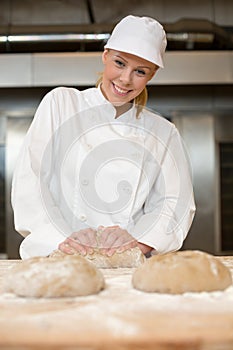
(116, 310)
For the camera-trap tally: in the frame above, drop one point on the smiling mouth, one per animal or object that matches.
(120, 91)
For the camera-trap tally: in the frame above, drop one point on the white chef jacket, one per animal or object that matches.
(80, 166)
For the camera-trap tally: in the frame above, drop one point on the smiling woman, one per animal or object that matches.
(99, 160)
(125, 76)
(132, 60)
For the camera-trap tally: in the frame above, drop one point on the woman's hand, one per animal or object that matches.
(113, 239)
(83, 242)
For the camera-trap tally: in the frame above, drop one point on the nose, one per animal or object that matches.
(126, 76)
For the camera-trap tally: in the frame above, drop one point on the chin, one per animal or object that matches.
(119, 103)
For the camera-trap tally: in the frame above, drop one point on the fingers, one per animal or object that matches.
(120, 247)
(83, 242)
(110, 240)
(115, 239)
(79, 247)
(108, 237)
(65, 248)
(107, 240)
(86, 237)
(71, 247)
(125, 246)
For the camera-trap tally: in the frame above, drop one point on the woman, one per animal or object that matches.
(97, 169)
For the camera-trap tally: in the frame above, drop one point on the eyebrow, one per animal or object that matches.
(127, 62)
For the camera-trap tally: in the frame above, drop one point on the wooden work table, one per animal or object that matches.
(118, 318)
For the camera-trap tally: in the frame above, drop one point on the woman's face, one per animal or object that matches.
(124, 76)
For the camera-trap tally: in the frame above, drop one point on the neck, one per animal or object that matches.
(121, 109)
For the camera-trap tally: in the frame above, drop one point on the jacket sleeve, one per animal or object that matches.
(31, 215)
(169, 209)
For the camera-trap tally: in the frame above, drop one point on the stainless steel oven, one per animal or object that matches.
(209, 141)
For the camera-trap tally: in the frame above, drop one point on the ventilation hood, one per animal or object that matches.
(185, 34)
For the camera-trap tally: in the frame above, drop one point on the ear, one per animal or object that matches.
(104, 56)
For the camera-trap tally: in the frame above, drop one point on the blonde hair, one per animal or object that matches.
(140, 100)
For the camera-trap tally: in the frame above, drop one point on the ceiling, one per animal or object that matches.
(57, 25)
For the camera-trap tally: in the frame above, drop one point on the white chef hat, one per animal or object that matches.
(140, 36)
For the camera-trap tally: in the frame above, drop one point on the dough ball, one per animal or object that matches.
(129, 258)
(180, 272)
(54, 277)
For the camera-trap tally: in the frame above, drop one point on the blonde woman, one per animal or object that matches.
(97, 161)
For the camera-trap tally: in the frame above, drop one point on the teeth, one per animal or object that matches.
(120, 91)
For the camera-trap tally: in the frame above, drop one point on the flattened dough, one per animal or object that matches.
(180, 272)
(129, 258)
(54, 277)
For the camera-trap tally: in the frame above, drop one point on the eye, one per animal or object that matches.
(140, 72)
(119, 63)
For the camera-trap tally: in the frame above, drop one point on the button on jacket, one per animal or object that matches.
(80, 166)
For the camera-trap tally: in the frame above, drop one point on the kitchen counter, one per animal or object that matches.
(118, 318)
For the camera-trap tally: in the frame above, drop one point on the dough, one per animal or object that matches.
(129, 258)
(54, 277)
(180, 272)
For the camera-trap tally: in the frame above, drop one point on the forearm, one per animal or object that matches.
(145, 248)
